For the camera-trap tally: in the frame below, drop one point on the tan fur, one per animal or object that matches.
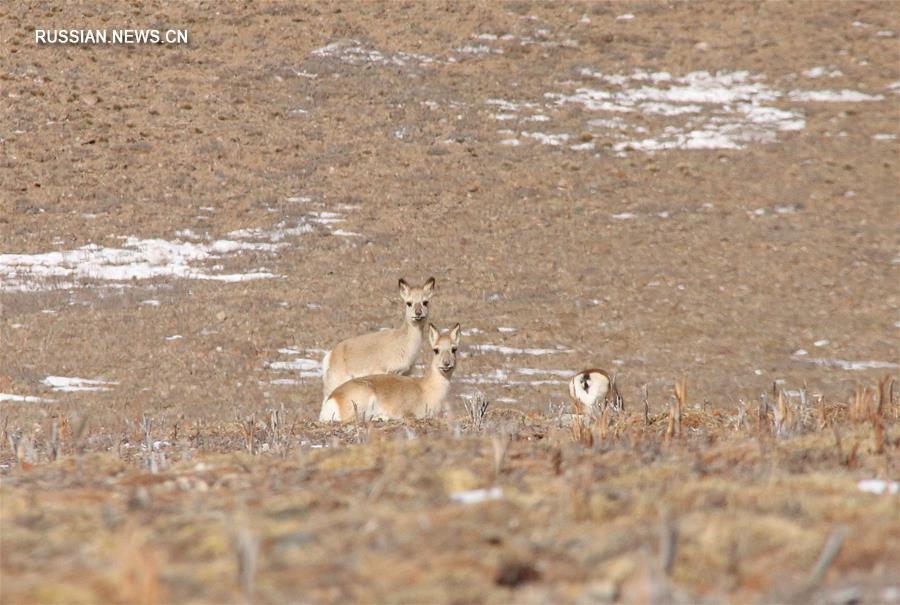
(387, 396)
(386, 352)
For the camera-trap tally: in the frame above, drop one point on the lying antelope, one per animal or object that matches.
(592, 390)
(386, 396)
(386, 352)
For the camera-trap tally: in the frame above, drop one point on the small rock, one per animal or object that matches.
(513, 573)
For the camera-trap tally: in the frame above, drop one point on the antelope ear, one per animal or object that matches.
(454, 334)
(429, 287)
(433, 334)
(404, 288)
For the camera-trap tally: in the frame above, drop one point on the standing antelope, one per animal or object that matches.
(386, 352)
(592, 390)
(392, 396)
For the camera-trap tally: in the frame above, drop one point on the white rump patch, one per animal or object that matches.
(597, 388)
(329, 411)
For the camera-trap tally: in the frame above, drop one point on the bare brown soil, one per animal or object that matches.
(717, 266)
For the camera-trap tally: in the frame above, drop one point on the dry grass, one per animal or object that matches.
(685, 505)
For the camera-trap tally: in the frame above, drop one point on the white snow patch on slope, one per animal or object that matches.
(700, 110)
(832, 96)
(23, 398)
(141, 259)
(137, 259)
(843, 364)
(71, 384)
(487, 348)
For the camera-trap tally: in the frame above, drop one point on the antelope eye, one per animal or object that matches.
(453, 350)
(409, 304)
(436, 351)
(425, 302)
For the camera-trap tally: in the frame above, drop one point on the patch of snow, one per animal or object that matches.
(67, 384)
(546, 139)
(724, 110)
(850, 365)
(666, 109)
(487, 348)
(818, 72)
(511, 106)
(879, 486)
(307, 367)
(23, 398)
(354, 52)
(832, 96)
(137, 259)
(481, 49)
(343, 233)
(538, 372)
(789, 209)
(476, 496)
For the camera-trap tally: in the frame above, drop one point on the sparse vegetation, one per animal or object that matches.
(692, 504)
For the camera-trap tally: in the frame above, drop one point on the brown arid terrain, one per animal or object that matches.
(703, 192)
